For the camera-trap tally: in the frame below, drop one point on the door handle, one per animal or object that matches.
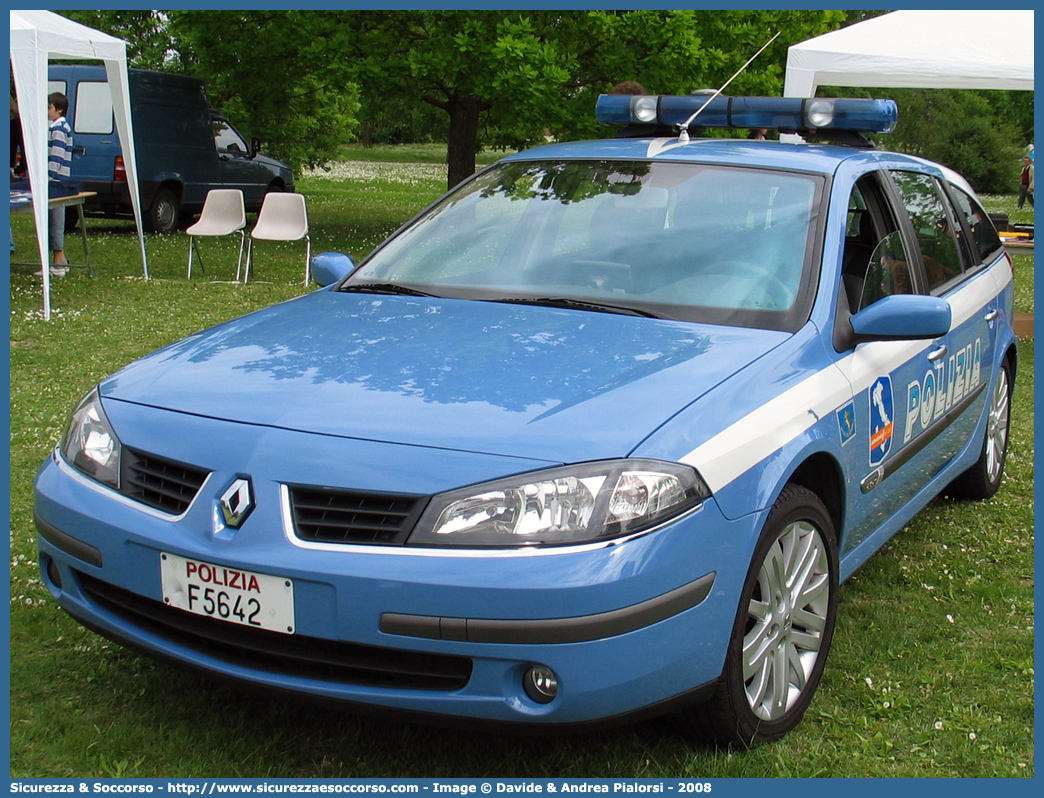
(992, 316)
(939, 353)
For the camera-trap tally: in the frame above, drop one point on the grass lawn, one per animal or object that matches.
(410, 153)
(931, 672)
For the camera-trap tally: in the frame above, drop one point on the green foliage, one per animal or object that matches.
(1014, 108)
(507, 78)
(395, 120)
(466, 64)
(280, 76)
(149, 45)
(958, 128)
(277, 74)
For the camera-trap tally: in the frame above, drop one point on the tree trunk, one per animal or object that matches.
(463, 138)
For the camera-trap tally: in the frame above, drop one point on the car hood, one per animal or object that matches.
(543, 383)
(271, 163)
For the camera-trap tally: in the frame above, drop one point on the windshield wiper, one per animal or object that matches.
(578, 304)
(382, 288)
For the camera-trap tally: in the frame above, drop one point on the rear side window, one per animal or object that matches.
(93, 108)
(985, 240)
(933, 226)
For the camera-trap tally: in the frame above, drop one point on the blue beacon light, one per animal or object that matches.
(773, 113)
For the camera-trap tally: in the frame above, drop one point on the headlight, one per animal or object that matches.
(90, 444)
(562, 506)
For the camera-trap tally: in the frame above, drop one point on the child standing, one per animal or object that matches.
(59, 164)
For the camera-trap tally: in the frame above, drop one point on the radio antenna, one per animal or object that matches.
(683, 128)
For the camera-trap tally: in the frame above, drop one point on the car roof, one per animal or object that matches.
(806, 157)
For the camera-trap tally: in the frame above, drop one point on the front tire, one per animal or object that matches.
(783, 628)
(983, 479)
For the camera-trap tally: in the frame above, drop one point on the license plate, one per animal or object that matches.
(228, 594)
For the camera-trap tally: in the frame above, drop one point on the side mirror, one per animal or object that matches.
(331, 267)
(255, 147)
(902, 317)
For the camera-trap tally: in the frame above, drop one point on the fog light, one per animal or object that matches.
(541, 684)
(54, 574)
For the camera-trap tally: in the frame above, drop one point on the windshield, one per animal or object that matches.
(694, 242)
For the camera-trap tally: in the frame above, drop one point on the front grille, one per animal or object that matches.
(159, 483)
(336, 516)
(288, 655)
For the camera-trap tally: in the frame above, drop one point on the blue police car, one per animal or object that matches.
(595, 436)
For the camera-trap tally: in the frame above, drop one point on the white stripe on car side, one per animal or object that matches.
(745, 443)
(742, 445)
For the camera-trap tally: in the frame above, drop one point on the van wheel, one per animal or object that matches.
(163, 216)
(782, 631)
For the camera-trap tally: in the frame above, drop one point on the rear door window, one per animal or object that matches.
(933, 226)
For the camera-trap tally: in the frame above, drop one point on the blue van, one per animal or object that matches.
(185, 147)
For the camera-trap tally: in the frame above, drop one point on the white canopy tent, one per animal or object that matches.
(37, 36)
(918, 49)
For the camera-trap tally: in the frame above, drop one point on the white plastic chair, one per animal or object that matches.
(283, 217)
(223, 214)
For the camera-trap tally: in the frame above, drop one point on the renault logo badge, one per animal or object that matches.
(237, 502)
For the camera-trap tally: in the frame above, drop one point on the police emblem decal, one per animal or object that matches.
(881, 423)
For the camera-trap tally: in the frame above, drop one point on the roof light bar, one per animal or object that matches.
(772, 113)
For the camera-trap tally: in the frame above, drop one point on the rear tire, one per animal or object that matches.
(782, 632)
(983, 479)
(163, 214)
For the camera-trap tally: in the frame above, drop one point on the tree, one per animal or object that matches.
(1014, 108)
(506, 78)
(149, 45)
(462, 63)
(959, 128)
(278, 75)
(500, 78)
(281, 75)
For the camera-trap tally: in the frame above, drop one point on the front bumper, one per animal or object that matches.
(627, 628)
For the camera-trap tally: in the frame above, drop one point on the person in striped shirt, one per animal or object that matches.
(59, 164)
